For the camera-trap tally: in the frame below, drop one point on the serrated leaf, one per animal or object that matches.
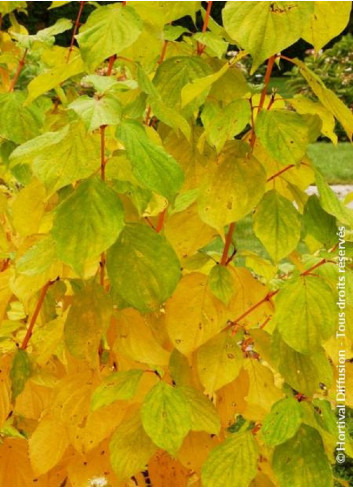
(232, 188)
(153, 167)
(117, 386)
(166, 417)
(219, 361)
(326, 22)
(277, 225)
(143, 268)
(193, 314)
(96, 112)
(265, 28)
(130, 448)
(87, 223)
(301, 461)
(221, 283)
(109, 29)
(283, 422)
(60, 158)
(284, 134)
(233, 463)
(306, 313)
(20, 372)
(204, 416)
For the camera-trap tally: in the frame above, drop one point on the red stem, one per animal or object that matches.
(29, 332)
(111, 64)
(286, 168)
(103, 163)
(201, 47)
(18, 71)
(77, 24)
(269, 69)
(160, 222)
(227, 244)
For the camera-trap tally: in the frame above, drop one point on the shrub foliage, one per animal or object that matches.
(167, 288)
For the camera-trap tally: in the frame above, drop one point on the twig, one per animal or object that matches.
(77, 24)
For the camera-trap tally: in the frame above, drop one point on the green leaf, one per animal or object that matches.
(174, 73)
(60, 158)
(204, 415)
(166, 417)
(215, 44)
(284, 135)
(326, 22)
(18, 123)
(283, 422)
(331, 203)
(219, 361)
(232, 188)
(304, 105)
(233, 463)
(221, 283)
(87, 320)
(108, 30)
(96, 112)
(265, 28)
(54, 77)
(143, 268)
(20, 372)
(130, 448)
(119, 385)
(318, 223)
(277, 225)
(306, 313)
(300, 371)
(87, 223)
(226, 123)
(328, 98)
(301, 461)
(38, 258)
(199, 85)
(151, 164)
(160, 13)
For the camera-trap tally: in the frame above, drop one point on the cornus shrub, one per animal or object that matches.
(168, 290)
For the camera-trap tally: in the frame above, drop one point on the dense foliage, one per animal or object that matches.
(142, 342)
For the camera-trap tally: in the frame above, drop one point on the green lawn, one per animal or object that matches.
(335, 162)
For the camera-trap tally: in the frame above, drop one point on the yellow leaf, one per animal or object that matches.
(136, 341)
(193, 313)
(262, 391)
(47, 444)
(29, 202)
(219, 361)
(187, 233)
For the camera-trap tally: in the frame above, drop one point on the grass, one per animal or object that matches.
(335, 162)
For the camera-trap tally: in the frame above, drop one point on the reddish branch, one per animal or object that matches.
(77, 24)
(286, 168)
(269, 69)
(271, 294)
(160, 222)
(102, 167)
(201, 47)
(29, 332)
(18, 71)
(228, 242)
